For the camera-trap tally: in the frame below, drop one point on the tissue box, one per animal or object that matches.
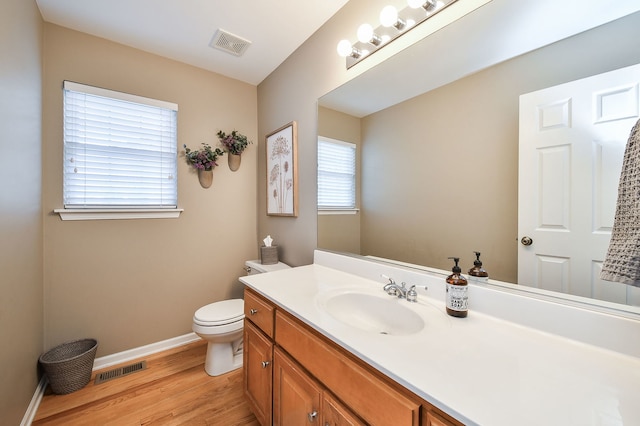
(269, 255)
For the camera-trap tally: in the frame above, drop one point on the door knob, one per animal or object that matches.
(265, 364)
(526, 241)
(253, 311)
(312, 416)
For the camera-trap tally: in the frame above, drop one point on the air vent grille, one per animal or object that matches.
(230, 43)
(120, 372)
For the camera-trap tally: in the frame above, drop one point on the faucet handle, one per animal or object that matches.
(386, 277)
(412, 294)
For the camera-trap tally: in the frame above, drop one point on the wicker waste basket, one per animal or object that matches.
(68, 366)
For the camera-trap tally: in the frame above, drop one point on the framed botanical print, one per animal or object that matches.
(282, 171)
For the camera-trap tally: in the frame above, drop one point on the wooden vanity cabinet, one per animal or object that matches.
(259, 311)
(431, 418)
(258, 366)
(356, 385)
(296, 396)
(294, 375)
(299, 399)
(257, 358)
(336, 414)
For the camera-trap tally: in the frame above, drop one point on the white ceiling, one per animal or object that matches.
(182, 30)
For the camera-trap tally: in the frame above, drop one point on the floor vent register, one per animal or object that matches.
(120, 372)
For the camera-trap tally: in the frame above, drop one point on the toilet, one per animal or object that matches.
(221, 325)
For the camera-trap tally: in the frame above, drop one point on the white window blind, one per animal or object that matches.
(120, 150)
(336, 174)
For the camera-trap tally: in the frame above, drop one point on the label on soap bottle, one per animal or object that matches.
(457, 298)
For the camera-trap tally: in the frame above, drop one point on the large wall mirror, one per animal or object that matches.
(438, 171)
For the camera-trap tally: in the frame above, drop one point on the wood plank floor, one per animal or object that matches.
(174, 389)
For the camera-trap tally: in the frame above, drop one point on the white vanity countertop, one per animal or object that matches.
(481, 370)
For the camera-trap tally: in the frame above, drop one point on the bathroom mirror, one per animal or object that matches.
(438, 172)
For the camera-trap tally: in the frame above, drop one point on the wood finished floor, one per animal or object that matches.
(173, 390)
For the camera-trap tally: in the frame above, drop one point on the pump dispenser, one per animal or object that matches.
(457, 292)
(477, 272)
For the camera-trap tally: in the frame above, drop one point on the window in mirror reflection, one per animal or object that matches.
(336, 175)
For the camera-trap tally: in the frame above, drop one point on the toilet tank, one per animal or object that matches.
(253, 267)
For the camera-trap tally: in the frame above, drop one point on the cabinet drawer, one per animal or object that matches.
(259, 311)
(366, 394)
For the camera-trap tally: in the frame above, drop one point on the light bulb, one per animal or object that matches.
(344, 48)
(414, 4)
(388, 16)
(365, 33)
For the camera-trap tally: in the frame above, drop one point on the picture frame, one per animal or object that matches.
(282, 171)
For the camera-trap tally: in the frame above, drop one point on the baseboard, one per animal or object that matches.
(32, 409)
(142, 351)
(108, 361)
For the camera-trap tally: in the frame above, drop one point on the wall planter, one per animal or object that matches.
(204, 161)
(234, 161)
(234, 144)
(205, 177)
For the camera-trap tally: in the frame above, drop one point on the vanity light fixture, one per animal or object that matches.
(393, 24)
(389, 18)
(367, 35)
(346, 49)
(428, 5)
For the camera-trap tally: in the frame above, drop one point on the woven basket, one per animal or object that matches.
(68, 366)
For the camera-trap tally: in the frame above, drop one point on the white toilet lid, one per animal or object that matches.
(220, 313)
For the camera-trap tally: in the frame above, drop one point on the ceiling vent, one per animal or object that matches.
(230, 43)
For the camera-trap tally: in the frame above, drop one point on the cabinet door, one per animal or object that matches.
(336, 414)
(296, 396)
(258, 367)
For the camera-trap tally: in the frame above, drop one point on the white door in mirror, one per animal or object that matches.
(572, 141)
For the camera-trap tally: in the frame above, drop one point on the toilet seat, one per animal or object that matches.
(220, 313)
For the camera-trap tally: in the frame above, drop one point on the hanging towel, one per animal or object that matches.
(622, 262)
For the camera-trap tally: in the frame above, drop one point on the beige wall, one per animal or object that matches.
(291, 93)
(340, 232)
(21, 331)
(133, 282)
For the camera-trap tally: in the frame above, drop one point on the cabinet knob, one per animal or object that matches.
(312, 416)
(265, 364)
(253, 311)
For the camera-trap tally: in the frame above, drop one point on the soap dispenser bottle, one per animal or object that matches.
(457, 288)
(478, 273)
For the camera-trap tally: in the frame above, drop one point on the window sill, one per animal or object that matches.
(337, 211)
(107, 214)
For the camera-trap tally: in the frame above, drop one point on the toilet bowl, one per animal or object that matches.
(221, 325)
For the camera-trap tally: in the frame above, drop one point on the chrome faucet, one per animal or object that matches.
(401, 290)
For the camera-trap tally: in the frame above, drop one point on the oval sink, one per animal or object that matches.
(377, 314)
